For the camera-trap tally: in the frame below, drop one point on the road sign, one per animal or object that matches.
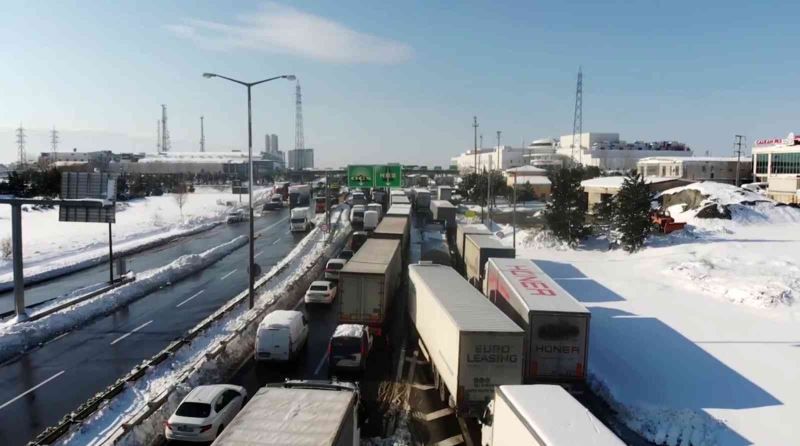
(377, 175)
(82, 186)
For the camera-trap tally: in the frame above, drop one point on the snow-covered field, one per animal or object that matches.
(695, 340)
(49, 244)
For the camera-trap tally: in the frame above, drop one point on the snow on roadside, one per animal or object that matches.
(159, 379)
(17, 337)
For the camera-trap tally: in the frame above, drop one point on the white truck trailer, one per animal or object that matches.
(301, 219)
(297, 413)
(422, 199)
(445, 211)
(444, 193)
(477, 250)
(367, 283)
(542, 415)
(468, 228)
(556, 325)
(472, 346)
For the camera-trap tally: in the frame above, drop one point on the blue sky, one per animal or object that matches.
(396, 81)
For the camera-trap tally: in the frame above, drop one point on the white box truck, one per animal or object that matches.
(398, 197)
(477, 250)
(444, 193)
(541, 415)
(462, 229)
(556, 325)
(401, 210)
(445, 211)
(472, 346)
(422, 199)
(297, 413)
(367, 283)
(301, 219)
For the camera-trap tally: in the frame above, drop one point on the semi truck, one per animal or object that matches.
(478, 249)
(299, 195)
(393, 228)
(556, 325)
(462, 229)
(422, 199)
(541, 415)
(445, 211)
(367, 283)
(301, 219)
(283, 414)
(444, 193)
(471, 345)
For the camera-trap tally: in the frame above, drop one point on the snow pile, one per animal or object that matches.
(17, 337)
(541, 240)
(286, 286)
(401, 436)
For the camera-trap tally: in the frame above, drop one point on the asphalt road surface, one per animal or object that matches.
(40, 387)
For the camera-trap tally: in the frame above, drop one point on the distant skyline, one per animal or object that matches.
(395, 82)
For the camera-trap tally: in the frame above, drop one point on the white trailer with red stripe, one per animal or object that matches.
(556, 325)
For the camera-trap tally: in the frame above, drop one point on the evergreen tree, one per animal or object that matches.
(565, 212)
(633, 212)
(605, 216)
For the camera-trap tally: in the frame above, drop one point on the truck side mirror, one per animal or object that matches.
(486, 416)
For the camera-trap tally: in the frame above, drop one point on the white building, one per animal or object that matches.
(301, 159)
(777, 163)
(542, 154)
(501, 158)
(701, 168)
(607, 152)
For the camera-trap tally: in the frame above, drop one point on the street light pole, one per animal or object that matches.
(251, 260)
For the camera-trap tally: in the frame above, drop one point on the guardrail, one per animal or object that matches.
(84, 411)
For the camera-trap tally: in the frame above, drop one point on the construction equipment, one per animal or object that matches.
(666, 224)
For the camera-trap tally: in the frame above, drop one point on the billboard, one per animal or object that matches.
(374, 175)
(81, 186)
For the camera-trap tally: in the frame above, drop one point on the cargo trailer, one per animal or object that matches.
(399, 210)
(462, 229)
(422, 200)
(477, 250)
(445, 211)
(556, 325)
(472, 346)
(444, 193)
(367, 283)
(284, 414)
(542, 415)
(393, 228)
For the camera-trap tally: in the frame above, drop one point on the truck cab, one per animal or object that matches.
(301, 219)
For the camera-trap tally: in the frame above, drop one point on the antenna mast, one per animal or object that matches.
(299, 142)
(577, 121)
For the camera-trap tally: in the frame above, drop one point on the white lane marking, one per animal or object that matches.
(319, 366)
(58, 337)
(258, 254)
(274, 224)
(33, 388)
(190, 298)
(227, 275)
(131, 332)
(276, 241)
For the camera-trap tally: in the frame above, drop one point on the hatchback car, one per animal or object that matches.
(332, 268)
(235, 216)
(349, 348)
(346, 254)
(205, 412)
(321, 292)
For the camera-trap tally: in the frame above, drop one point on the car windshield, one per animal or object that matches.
(194, 410)
(335, 265)
(319, 288)
(345, 346)
(298, 220)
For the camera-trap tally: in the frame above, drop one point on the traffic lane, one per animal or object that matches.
(97, 355)
(142, 261)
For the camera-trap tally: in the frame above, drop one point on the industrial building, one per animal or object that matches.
(719, 169)
(596, 189)
(777, 162)
(230, 164)
(272, 152)
(542, 154)
(502, 158)
(98, 159)
(300, 159)
(536, 177)
(607, 152)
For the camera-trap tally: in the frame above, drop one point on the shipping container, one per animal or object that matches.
(282, 414)
(542, 415)
(393, 228)
(462, 229)
(472, 346)
(556, 325)
(368, 281)
(445, 211)
(477, 250)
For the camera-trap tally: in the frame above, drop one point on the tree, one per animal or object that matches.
(181, 195)
(605, 217)
(565, 212)
(633, 212)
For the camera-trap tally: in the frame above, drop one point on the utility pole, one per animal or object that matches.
(577, 120)
(481, 139)
(738, 152)
(158, 137)
(475, 128)
(23, 160)
(165, 144)
(489, 184)
(202, 136)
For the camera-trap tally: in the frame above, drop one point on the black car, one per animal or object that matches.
(359, 238)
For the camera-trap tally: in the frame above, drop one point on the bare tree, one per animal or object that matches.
(181, 196)
(5, 248)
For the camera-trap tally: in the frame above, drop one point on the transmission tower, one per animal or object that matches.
(21, 145)
(577, 121)
(158, 138)
(299, 141)
(202, 136)
(54, 144)
(165, 144)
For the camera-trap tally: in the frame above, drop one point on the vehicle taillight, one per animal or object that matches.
(167, 425)
(363, 349)
(579, 370)
(205, 428)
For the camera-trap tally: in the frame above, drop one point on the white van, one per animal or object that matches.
(370, 220)
(281, 336)
(377, 208)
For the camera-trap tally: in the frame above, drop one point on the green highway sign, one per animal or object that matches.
(378, 175)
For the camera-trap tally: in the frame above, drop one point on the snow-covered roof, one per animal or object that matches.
(689, 159)
(720, 192)
(526, 170)
(279, 318)
(617, 181)
(196, 157)
(557, 417)
(534, 179)
(348, 331)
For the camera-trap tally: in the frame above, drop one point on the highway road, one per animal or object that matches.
(41, 386)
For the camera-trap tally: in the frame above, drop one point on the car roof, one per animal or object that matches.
(205, 394)
(342, 261)
(321, 282)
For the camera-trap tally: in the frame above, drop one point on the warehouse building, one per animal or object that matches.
(607, 152)
(719, 169)
(776, 162)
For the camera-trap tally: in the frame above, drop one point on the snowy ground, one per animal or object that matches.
(695, 340)
(49, 244)
(504, 207)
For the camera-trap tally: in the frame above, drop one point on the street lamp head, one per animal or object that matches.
(290, 77)
(209, 75)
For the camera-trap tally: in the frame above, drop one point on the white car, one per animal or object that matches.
(332, 268)
(236, 216)
(321, 292)
(205, 412)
